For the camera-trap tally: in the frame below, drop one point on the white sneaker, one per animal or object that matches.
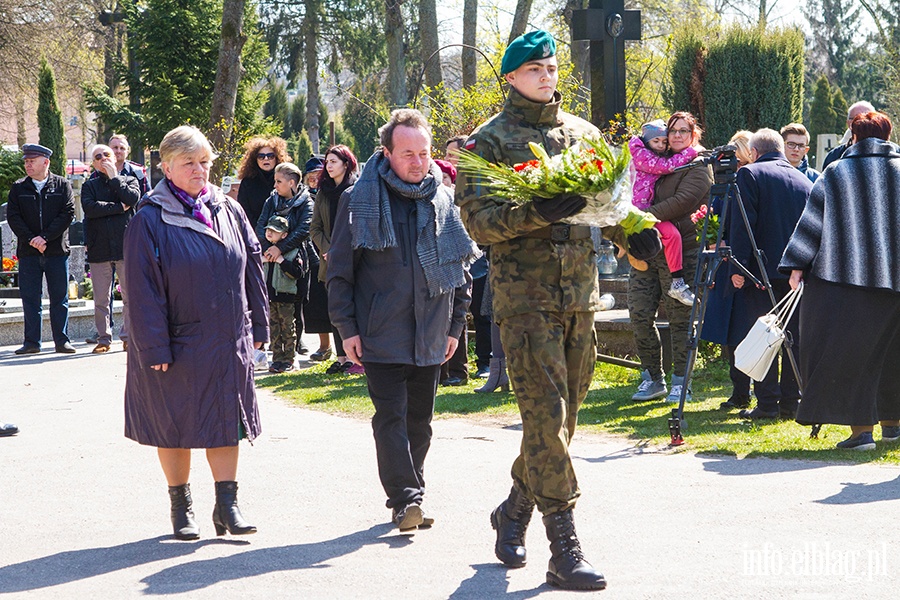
(260, 360)
(681, 292)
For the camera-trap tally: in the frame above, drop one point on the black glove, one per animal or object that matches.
(645, 244)
(559, 207)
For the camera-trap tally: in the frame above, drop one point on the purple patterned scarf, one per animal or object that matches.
(198, 207)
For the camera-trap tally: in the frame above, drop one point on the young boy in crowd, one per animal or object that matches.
(648, 157)
(281, 282)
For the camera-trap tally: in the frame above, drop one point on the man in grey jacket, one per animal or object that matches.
(398, 290)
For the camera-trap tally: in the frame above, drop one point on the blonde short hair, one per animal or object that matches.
(184, 140)
(290, 169)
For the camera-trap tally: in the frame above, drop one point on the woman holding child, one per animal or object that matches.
(291, 201)
(675, 197)
(198, 308)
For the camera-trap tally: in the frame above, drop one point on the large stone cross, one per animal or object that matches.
(606, 25)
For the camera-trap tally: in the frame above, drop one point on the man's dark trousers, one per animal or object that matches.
(403, 396)
(482, 324)
(32, 270)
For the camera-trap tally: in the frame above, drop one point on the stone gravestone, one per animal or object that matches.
(606, 25)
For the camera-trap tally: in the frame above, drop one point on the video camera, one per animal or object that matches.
(723, 160)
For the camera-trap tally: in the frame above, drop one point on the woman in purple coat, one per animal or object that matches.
(192, 264)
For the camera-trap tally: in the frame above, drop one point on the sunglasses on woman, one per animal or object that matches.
(102, 155)
(265, 156)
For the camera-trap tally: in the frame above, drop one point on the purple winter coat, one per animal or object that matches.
(197, 301)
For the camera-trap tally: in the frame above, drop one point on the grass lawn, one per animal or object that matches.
(608, 409)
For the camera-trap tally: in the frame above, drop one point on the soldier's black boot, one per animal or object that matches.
(568, 569)
(510, 520)
(183, 523)
(226, 514)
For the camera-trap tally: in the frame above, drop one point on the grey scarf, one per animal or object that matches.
(443, 246)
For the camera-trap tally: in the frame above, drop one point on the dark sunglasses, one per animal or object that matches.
(102, 155)
(265, 155)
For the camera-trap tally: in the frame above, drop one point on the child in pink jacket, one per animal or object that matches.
(650, 163)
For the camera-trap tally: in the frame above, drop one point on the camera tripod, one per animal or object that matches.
(723, 192)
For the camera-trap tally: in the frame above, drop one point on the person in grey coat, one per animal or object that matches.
(198, 307)
(845, 250)
(398, 290)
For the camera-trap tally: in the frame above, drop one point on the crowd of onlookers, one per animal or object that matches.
(293, 211)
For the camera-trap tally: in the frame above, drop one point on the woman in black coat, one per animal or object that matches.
(257, 173)
(340, 173)
(198, 308)
(845, 249)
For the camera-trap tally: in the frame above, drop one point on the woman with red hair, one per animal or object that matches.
(845, 250)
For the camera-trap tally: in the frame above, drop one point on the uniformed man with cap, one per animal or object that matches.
(544, 280)
(40, 209)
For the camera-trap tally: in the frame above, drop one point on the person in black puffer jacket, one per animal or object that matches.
(108, 201)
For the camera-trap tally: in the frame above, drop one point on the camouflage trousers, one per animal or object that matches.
(281, 331)
(550, 358)
(645, 289)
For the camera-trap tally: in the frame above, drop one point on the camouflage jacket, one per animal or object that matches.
(527, 274)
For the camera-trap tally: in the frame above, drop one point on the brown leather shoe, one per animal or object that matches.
(100, 349)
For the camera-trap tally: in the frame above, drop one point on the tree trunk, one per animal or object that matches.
(311, 58)
(470, 24)
(228, 75)
(428, 30)
(393, 33)
(21, 130)
(520, 19)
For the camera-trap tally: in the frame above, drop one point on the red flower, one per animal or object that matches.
(531, 164)
(599, 164)
(699, 215)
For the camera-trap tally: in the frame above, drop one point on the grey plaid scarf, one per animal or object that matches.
(443, 246)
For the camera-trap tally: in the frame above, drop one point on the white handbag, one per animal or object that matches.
(754, 355)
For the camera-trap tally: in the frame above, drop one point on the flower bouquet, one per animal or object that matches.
(590, 168)
(712, 229)
(8, 267)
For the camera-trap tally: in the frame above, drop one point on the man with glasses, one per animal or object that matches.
(108, 200)
(796, 146)
(40, 209)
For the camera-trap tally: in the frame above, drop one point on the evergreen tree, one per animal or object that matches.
(51, 131)
(298, 114)
(177, 43)
(276, 107)
(742, 78)
(821, 114)
(839, 107)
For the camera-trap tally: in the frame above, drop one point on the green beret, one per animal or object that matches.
(534, 45)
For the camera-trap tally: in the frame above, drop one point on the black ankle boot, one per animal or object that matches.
(568, 569)
(182, 513)
(510, 520)
(226, 514)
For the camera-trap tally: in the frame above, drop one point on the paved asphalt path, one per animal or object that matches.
(84, 511)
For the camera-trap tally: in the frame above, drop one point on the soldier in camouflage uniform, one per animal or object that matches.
(675, 198)
(544, 280)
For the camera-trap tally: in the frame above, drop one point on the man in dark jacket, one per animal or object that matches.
(40, 209)
(773, 193)
(118, 143)
(398, 290)
(108, 200)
